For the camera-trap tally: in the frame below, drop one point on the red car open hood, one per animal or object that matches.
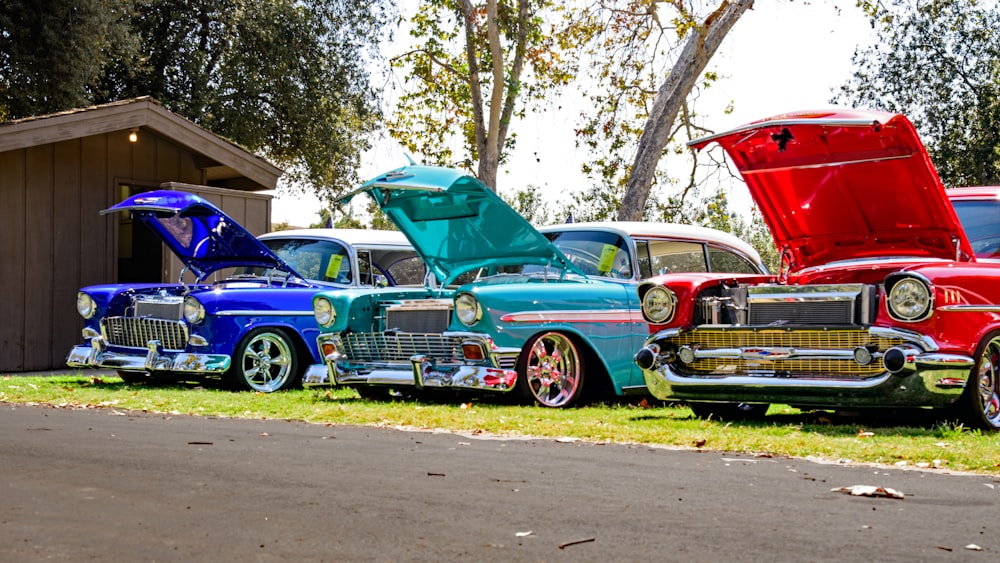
(841, 184)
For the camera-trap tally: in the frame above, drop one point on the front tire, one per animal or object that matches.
(549, 371)
(265, 361)
(980, 402)
(729, 412)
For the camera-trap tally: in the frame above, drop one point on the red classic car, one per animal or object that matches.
(881, 300)
(978, 209)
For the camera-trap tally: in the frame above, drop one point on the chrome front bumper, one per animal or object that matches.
(916, 374)
(155, 360)
(421, 371)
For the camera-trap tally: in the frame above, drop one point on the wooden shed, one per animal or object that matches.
(57, 172)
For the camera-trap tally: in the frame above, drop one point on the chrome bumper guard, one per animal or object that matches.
(423, 371)
(916, 374)
(96, 355)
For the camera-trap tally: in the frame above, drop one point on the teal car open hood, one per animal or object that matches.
(457, 224)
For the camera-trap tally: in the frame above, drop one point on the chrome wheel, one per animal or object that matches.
(551, 370)
(982, 395)
(265, 362)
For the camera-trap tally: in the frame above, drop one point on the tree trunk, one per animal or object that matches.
(698, 51)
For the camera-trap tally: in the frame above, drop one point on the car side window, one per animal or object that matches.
(725, 261)
(642, 256)
(673, 256)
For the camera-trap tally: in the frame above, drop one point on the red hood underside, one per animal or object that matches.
(840, 184)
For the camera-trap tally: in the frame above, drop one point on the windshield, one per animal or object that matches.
(316, 260)
(981, 221)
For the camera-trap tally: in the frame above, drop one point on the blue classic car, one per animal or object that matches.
(252, 324)
(545, 314)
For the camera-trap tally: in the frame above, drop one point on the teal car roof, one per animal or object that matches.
(457, 224)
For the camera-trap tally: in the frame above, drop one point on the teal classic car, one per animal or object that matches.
(547, 314)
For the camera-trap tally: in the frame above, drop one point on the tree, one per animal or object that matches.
(474, 68)
(937, 62)
(288, 79)
(645, 83)
(52, 53)
(530, 204)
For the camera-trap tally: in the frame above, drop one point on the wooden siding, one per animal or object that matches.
(53, 240)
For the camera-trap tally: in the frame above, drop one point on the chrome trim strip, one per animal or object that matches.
(922, 340)
(970, 308)
(590, 316)
(753, 127)
(252, 313)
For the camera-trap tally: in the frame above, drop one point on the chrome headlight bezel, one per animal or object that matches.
(194, 311)
(909, 299)
(85, 305)
(324, 312)
(659, 304)
(467, 309)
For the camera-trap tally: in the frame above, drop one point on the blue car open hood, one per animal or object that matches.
(203, 237)
(457, 224)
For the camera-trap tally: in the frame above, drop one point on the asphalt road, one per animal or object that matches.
(105, 484)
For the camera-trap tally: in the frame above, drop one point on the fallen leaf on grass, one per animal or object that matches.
(644, 404)
(699, 443)
(865, 434)
(869, 491)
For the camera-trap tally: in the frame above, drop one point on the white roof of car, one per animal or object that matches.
(354, 237)
(643, 230)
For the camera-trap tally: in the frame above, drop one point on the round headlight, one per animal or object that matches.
(467, 309)
(658, 304)
(323, 311)
(85, 305)
(194, 311)
(909, 300)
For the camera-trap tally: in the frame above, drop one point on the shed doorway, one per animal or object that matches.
(140, 252)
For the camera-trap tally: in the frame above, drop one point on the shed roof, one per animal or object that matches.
(224, 160)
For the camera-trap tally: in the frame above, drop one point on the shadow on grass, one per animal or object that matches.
(915, 422)
(113, 383)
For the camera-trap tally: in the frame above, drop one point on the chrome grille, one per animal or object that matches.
(417, 320)
(847, 339)
(134, 332)
(368, 347)
(507, 362)
(159, 306)
(807, 313)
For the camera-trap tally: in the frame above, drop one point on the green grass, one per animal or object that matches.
(917, 441)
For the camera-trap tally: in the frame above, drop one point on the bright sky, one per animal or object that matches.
(783, 55)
